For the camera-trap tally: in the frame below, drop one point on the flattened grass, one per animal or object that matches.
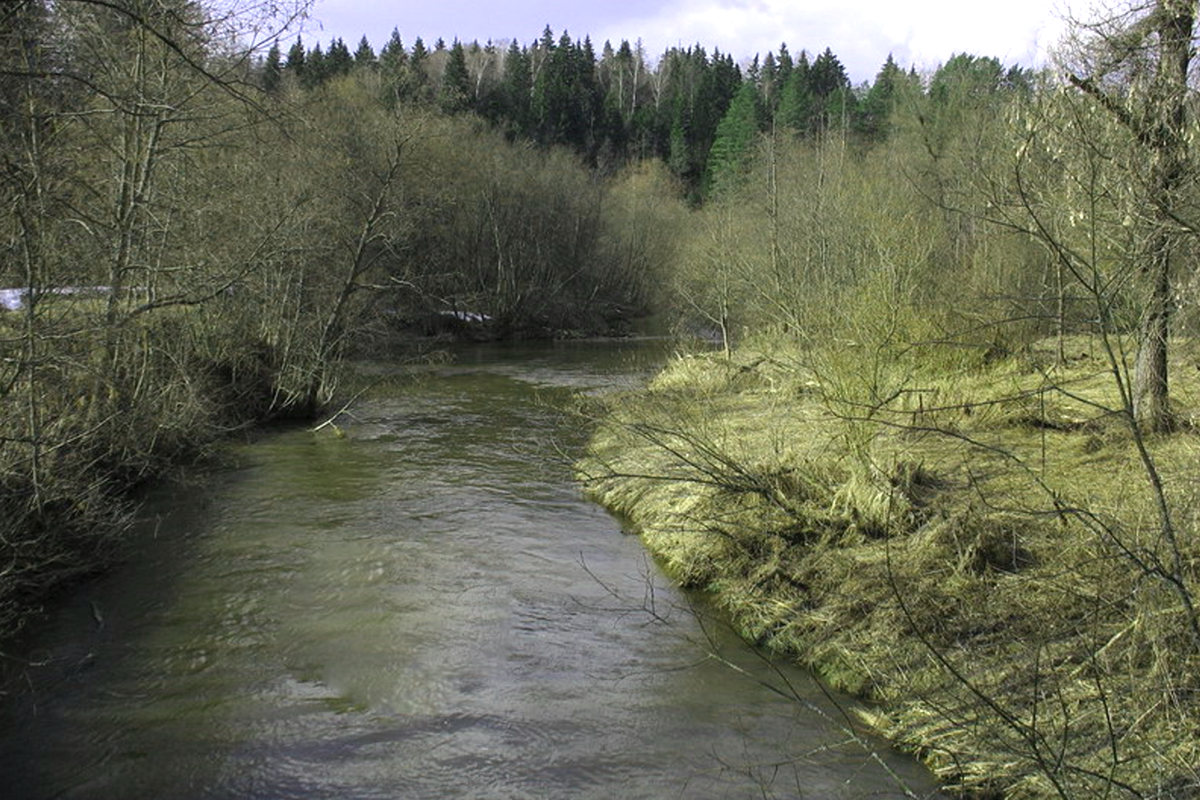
(975, 551)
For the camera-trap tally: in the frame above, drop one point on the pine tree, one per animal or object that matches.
(546, 43)
(589, 100)
(606, 69)
(419, 53)
(554, 105)
(393, 67)
(615, 76)
(612, 134)
(719, 82)
(754, 71)
(965, 76)
(767, 79)
(628, 71)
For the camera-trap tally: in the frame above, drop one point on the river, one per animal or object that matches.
(418, 604)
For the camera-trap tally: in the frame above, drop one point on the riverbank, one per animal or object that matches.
(86, 428)
(89, 419)
(974, 549)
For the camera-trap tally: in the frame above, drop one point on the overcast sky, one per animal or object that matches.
(921, 33)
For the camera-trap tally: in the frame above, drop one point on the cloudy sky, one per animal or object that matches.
(923, 33)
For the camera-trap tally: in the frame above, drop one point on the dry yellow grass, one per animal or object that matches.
(976, 555)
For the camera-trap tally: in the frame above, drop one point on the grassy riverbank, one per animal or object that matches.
(973, 546)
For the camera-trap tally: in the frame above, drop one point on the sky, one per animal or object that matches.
(920, 33)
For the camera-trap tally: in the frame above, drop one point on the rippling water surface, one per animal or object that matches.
(423, 607)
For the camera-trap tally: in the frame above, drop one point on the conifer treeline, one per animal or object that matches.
(696, 111)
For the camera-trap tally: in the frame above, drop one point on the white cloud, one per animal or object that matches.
(861, 33)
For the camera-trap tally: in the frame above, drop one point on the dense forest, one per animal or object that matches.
(697, 113)
(204, 216)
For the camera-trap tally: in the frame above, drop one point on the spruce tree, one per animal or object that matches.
(315, 70)
(798, 106)
(786, 64)
(589, 99)
(553, 102)
(830, 86)
(679, 156)
(627, 88)
(416, 83)
(338, 60)
(454, 94)
(733, 148)
(393, 56)
(516, 87)
(877, 105)
(827, 75)
(272, 74)
(364, 55)
(393, 60)
(295, 60)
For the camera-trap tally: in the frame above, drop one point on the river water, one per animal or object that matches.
(420, 607)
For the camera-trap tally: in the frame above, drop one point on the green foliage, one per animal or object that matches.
(827, 75)
(315, 70)
(454, 93)
(566, 102)
(338, 60)
(272, 72)
(295, 59)
(364, 55)
(733, 149)
(516, 92)
(393, 56)
(881, 99)
(798, 105)
(620, 107)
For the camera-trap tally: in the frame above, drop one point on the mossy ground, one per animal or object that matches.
(975, 551)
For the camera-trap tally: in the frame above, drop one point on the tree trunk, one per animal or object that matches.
(1165, 135)
(1150, 396)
